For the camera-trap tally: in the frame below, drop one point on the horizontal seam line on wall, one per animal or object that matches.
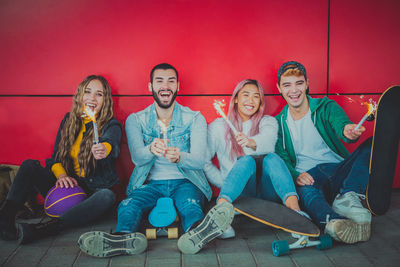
(203, 95)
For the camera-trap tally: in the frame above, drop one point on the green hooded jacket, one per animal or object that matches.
(329, 119)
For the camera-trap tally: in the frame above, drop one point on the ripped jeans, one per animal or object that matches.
(330, 179)
(188, 200)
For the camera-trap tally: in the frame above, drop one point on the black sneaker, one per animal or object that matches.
(8, 231)
(217, 220)
(102, 244)
(29, 232)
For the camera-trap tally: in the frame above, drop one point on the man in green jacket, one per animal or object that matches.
(309, 141)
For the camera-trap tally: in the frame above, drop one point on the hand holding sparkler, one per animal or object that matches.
(159, 145)
(99, 151)
(92, 116)
(218, 105)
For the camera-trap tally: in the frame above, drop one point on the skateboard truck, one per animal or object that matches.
(282, 247)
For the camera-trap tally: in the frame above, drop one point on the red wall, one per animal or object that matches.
(47, 47)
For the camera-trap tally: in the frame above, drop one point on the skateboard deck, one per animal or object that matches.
(280, 217)
(385, 147)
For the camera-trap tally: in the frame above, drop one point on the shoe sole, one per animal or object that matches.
(24, 235)
(102, 244)
(213, 225)
(364, 231)
(350, 232)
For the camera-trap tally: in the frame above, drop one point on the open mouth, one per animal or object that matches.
(249, 107)
(91, 106)
(294, 98)
(165, 95)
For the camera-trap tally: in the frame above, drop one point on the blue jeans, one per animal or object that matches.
(188, 200)
(276, 183)
(330, 179)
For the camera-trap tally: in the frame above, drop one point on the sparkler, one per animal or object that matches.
(218, 105)
(92, 116)
(369, 116)
(371, 109)
(163, 131)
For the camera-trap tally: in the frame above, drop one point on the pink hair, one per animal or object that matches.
(234, 117)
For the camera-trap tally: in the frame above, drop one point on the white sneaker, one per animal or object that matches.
(349, 205)
(343, 230)
(228, 233)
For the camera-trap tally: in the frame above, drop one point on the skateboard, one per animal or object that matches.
(163, 220)
(280, 217)
(385, 146)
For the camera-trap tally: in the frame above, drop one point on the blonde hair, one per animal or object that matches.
(293, 72)
(74, 123)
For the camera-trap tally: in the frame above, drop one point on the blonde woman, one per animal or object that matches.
(76, 160)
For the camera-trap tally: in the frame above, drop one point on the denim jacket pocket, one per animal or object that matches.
(182, 141)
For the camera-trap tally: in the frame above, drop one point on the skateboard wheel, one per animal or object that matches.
(280, 248)
(326, 242)
(172, 233)
(151, 233)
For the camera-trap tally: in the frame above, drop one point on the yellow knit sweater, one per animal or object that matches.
(58, 169)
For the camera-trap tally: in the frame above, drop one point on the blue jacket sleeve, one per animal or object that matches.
(140, 154)
(196, 158)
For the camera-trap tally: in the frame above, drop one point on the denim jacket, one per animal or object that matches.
(187, 130)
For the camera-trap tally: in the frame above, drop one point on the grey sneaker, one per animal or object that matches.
(102, 244)
(217, 220)
(347, 231)
(349, 205)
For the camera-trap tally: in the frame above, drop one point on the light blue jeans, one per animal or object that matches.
(276, 183)
(188, 200)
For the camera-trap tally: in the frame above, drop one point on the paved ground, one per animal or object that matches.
(251, 247)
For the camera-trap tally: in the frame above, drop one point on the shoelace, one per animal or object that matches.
(326, 219)
(355, 199)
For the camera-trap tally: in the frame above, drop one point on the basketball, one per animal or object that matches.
(58, 200)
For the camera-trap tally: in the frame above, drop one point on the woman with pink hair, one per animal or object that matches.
(239, 154)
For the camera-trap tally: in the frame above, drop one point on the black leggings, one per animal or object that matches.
(33, 178)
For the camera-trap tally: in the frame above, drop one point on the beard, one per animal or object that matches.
(160, 104)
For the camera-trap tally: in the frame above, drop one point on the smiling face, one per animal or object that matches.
(248, 101)
(93, 95)
(293, 89)
(164, 87)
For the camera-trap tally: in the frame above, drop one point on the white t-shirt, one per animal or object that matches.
(265, 140)
(309, 146)
(165, 170)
